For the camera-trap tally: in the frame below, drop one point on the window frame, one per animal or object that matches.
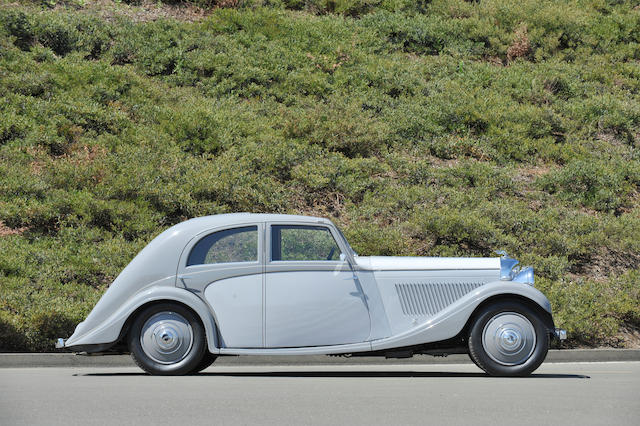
(269, 243)
(194, 242)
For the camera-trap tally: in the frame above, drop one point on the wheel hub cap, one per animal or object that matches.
(166, 337)
(509, 338)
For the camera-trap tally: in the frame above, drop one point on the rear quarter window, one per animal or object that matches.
(230, 245)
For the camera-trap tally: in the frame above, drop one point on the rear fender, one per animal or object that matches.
(112, 329)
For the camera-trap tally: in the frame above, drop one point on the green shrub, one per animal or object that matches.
(18, 25)
(59, 35)
(604, 186)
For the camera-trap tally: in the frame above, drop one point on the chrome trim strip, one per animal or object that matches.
(320, 265)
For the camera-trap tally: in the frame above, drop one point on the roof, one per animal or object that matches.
(204, 222)
(195, 226)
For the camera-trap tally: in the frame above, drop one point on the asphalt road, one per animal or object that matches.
(578, 393)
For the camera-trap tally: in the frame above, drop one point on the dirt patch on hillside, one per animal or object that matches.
(629, 337)
(603, 264)
(529, 174)
(5, 230)
(143, 11)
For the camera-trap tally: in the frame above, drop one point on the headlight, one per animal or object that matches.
(525, 276)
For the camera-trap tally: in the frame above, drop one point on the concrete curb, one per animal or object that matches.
(36, 360)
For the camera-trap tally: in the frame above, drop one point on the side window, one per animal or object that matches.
(297, 242)
(230, 245)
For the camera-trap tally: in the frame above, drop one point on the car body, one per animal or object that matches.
(269, 284)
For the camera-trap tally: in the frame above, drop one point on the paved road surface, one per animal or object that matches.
(566, 394)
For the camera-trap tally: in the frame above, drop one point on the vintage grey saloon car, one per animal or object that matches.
(267, 284)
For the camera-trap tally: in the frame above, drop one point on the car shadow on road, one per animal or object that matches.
(348, 374)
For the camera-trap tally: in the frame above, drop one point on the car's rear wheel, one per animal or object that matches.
(508, 339)
(167, 339)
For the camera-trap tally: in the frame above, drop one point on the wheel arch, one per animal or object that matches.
(545, 316)
(211, 335)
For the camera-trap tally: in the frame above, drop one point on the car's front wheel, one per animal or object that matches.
(508, 339)
(167, 339)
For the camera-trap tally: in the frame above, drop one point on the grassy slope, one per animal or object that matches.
(447, 128)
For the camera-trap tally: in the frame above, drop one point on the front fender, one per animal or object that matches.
(449, 322)
(108, 331)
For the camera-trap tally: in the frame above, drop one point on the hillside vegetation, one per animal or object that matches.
(429, 128)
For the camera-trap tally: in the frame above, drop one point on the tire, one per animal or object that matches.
(474, 361)
(508, 339)
(207, 360)
(167, 339)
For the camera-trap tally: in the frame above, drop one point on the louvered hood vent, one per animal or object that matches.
(429, 299)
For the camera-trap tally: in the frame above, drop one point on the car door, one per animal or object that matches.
(312, 296)
(224, 267)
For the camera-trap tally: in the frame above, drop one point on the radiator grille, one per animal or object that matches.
(428, 299)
